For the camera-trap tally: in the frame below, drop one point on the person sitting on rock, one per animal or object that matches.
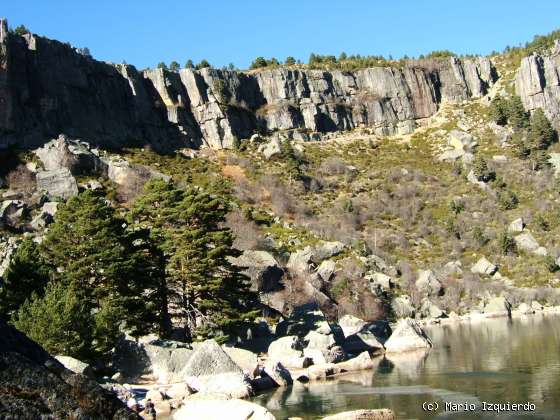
(150, 409)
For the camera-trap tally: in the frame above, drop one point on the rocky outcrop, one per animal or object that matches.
(48, 88)
(35, 385)
(538, 83)
(382, 414)
(408, 336)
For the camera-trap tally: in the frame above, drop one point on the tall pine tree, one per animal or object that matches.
(25, 275)
(209, 294)
(90, 250)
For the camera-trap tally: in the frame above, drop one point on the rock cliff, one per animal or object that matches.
(538, 83)
(47, 88)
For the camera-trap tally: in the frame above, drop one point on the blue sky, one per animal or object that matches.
(145, 32)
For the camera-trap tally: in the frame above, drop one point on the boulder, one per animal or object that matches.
(536, 306)
(76, 156)
(351, 324)
(381, 414)
(483, 266)
(262, 268)
(211, 370)
(45, 216)
(303, 320)
(285, 348)
(429, 310)
(326, 270)
(321, 371)
(164, 360)
(75, 365)
(58, 183)
(497, 306)
(278, 373)
(379, 283)
(324, 250)
(526, 242)
(427, 283)
(12, 212)
(403, 307)
(299, 260)
(245, 359)
(34, 385)
(271, 148)
(407, 336)
(361, 362)
(453, 268)
(525, 309)
(219, 409)
(361, 341)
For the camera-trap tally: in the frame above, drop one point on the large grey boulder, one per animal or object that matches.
(380, 282)
(211, 370)
(428, 283)
(299, 260)
(245, 359)
(58, 183)
(163, 361)
(75, 365)
(326, 270)
(262, 268)
(12, 212)
(285, 348)
(517, 225)
(402, 307)
(271, 148)
(45, 216)
(324, 250)
(278, 373)
(73, 155)
(483, 266)
(527, 242)
(497, 306)
(351, 324)
(429, 310)
(407, 336)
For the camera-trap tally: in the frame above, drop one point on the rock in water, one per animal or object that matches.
(34, 385)
(211, 370)
(408, 335)
(215, 409)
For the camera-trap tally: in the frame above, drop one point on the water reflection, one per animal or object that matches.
(497, 360)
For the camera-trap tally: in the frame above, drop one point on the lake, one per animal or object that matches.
(471, 366)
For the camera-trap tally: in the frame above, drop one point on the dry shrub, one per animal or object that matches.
(333, 165)
(22, 179)
(246, 232)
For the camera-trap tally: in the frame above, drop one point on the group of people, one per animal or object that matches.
(149, 410)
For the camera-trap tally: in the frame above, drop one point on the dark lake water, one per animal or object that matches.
(491, 361)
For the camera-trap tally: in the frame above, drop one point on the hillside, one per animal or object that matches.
(420, 189)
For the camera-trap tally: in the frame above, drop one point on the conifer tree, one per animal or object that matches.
(541, 133)
(60, 321)
(89, 250)
(208, 292)
(25, 275)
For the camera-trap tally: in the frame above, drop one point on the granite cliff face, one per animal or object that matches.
(538, 83)
(47, 88)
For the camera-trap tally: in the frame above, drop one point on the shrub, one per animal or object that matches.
(507, 200)
(456, 206)
(506, 244)
(481, 170)
(550, 263)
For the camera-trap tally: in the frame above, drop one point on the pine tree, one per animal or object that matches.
(210, 294)
(517, 116)
(189, 64)
(174, 66)
(89, 249)
(541, 133)
(162, 65)
(26, 274)
(60, 321)
(498, 110)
